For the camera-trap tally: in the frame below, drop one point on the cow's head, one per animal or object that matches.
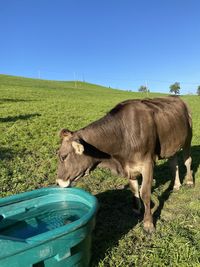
(76, 158)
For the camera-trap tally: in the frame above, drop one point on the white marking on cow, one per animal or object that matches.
(62, 183)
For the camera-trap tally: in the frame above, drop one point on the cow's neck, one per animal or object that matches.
(104, 134)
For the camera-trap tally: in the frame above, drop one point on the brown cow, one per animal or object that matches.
(128, 140)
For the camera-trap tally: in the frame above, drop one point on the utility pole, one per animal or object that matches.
(75, 84)
(147, 89)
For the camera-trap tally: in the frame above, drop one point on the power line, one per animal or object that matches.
(109, 79)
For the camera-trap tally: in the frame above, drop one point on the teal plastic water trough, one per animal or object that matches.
(50, 227)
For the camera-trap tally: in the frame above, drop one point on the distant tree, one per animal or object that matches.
(143, 89)
(198, 90)
(175, 88)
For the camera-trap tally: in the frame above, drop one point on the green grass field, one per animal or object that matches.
(31, 114)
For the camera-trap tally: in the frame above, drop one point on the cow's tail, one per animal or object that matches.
(190, 133)
(189, 115)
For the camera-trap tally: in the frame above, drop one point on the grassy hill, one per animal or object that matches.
(39, 83)
(31, 114)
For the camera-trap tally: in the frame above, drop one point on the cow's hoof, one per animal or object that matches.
(149, 227)
(176, 187)
(189, 183)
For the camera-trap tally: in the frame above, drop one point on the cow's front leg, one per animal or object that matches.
(134, 186)
(145, 193)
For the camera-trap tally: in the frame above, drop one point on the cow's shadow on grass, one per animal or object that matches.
(115, 216)
(6, 153)
(114, 219)
(19, 117)
(14, 100)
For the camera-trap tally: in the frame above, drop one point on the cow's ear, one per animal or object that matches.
(78, 147)
(64, 133)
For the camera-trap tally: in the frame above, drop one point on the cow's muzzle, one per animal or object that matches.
(62, 183)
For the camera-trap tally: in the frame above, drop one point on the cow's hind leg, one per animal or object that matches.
(188, 161)
(173, 162)
(134, 186)
(145, 193)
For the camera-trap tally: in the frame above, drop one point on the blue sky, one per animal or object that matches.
(117, 43)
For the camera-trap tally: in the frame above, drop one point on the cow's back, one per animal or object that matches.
(158, 126)
(173, 124)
